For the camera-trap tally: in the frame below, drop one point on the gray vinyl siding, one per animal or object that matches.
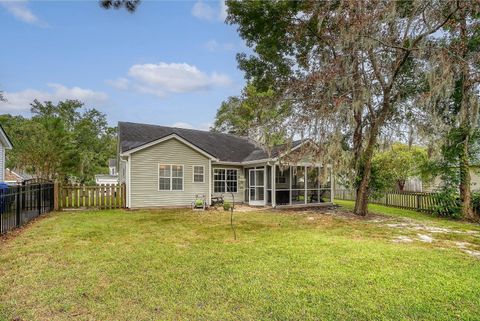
(240, 195)
(144, 175)
(2, 163)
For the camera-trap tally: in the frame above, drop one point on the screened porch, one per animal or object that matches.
(277, 185)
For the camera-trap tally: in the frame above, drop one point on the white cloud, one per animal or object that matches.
(19, 9)
(202, 126)
(164, 78)
(20, 101)
(203, 11)
(119, 83)
(213, 45)
(206, 11)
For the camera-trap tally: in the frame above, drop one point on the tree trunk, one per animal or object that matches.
(465, 181)
(364, 171)
(465, 126)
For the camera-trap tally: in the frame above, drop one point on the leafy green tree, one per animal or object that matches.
(453, 98)
(129, 5)
(63, 141)
(394, 166)
(229, 118)
(256, 114)
(343, 66)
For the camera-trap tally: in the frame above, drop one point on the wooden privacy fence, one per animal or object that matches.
(97, 196)
(419, 201)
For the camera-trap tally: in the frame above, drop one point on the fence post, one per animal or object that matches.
(19, 205)
(56, 192)
(39, 199)
(124, 196)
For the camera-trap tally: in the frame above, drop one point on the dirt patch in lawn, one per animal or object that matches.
(313, 213)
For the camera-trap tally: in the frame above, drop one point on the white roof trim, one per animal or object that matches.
(291, 150)
(171, 136)
(4, 139)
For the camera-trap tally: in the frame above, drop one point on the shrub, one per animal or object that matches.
(476, 202)
(448, 204)
(227, 206)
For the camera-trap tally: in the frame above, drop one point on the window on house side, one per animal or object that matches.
(225, 180)
(170, 177)
(198, 174)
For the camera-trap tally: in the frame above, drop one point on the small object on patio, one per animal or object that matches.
(217, 200)
(227, 206)
(199, 203)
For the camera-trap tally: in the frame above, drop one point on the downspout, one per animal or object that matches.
(209, 197)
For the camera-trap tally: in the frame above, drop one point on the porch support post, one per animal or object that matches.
(265, 183)
(290, 184)
(332, 183)
(319, 183)
(305, 177)
(274, 188)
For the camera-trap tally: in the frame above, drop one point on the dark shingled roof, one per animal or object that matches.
(225, 147)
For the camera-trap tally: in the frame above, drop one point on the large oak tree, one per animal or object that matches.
(345, 66)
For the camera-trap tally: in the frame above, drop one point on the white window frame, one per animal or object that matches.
(171, 178)
(193, 174)
(225, 180)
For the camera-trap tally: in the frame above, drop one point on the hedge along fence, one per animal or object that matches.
(419, 201)
(97, 196)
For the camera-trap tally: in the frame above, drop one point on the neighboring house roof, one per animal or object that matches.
(4, 139)
(224, 147)
(16, 176)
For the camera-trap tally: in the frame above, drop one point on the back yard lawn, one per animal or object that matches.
(178, 264)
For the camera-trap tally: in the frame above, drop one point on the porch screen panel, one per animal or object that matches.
(298, 185)
(282, 185)
(313, 184)
(325, 184)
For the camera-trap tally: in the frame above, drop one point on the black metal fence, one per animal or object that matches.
(419, 201)
(20, 204)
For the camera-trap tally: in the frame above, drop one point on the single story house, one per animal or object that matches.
(111, 178)
(5, 144)
(167, 166)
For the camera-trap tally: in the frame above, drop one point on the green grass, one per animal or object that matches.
(179, 264)
(420, 216)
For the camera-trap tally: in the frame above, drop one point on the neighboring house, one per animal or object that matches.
(111, 178)
(474, 175)
(413, 184)
(15, 177)
(5, 144)
(112, 166)
(166, 166)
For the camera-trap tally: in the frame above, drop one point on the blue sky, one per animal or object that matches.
(169, 63)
